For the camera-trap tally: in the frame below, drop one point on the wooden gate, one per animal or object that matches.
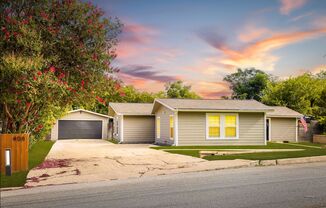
(18, 145)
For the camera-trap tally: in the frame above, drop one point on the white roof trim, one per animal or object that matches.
(115, 110)
(283, 116)
(90, 112)
(164, 104)
(226, 110)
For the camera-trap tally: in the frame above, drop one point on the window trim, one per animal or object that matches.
(222, 126)
(171, 116)
(158, 134)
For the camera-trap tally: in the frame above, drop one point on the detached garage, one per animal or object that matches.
(81, 124)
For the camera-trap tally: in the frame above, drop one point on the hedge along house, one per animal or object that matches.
(81, 124)
(184, 122)
(133, 122)
(282, 124)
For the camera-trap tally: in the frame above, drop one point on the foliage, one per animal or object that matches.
(114, 91)
(53, 54)
(247, 83)
(178, 89)
(36, 156)
(305, 94)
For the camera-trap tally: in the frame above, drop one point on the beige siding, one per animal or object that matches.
(283, 129)
(111, 112)
(192, 130)
(138, 129)
(81, 116)
(117, 122)
(164, 113)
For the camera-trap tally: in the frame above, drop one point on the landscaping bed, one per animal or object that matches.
(36, 156)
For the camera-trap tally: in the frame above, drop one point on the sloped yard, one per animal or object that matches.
(36, 156)
(304, 150)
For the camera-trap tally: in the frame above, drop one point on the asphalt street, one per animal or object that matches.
(276, 186)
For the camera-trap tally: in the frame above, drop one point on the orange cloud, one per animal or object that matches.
(211, 89)
(256, 54)
(287, 6)
(251, 33)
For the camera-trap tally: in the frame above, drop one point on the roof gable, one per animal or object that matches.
(213, 105)
(90, 112)
(132, 108)
(281, 111)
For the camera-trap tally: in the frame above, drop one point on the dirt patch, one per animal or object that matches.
(33, 179)
(62, 172)
(44, 175)
(77, 171)
(54, 163)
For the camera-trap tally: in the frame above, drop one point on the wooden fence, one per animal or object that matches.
(18, 144)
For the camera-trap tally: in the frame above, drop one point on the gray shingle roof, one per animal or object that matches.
(132, 108)
(207, 104)
(280, 111)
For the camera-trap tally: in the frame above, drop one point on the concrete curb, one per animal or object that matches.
(290, 161)
(247, 163)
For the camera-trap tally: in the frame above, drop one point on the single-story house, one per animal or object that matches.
(81, 124)
(183, 122)
(210, 122)
(282, 124)
(133, 122)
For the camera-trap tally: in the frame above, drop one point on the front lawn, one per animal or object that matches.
(270, 145)
(36, 156)
(314, 150)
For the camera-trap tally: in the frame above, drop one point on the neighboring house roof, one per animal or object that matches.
(280, 111)
(213, 105)
(132, 108)
(91, 112)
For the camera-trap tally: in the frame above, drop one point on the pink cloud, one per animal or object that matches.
(287, 6)
(257, 54)
(135, 39)
(251, 33)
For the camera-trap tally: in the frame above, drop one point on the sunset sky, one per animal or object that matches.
(200, 42)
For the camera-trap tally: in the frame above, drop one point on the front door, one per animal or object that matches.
(268, 124)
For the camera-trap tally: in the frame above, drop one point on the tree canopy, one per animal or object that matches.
(305, 94)
(247, 83)
(178, 89)
(52, 55)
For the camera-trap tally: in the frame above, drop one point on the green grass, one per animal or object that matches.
(36, 156)
(112, 141)
(194, 151)
(270, 145)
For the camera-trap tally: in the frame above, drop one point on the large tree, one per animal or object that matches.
(53, 53)
(247, 83)
(305, 94)
(178, 89)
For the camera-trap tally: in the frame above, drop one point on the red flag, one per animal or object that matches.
(304, 124)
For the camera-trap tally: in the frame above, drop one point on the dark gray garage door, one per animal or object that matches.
(77, 129)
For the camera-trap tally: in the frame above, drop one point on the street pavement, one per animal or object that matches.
(302, 185)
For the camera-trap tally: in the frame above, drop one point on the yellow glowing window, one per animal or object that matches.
(171, 127)
(214, 126)
(158, 127)
(230, 126)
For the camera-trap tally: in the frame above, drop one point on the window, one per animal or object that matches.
(158, 127)
(213, 126)
(221, 126)
(171, 127)
(230, 126)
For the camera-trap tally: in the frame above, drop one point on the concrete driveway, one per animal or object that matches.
(77, 161)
